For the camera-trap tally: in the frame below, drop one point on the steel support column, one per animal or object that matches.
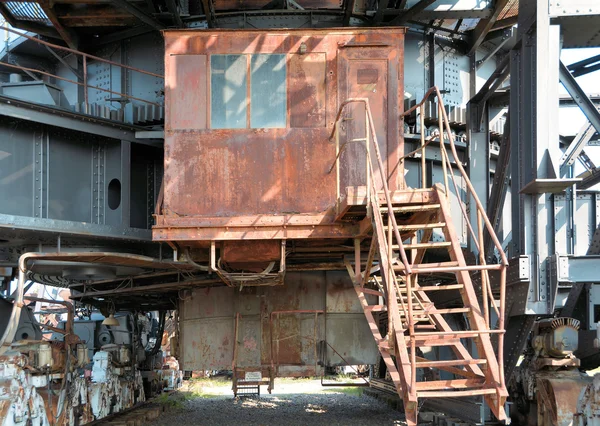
(479, 143)
(534, 144)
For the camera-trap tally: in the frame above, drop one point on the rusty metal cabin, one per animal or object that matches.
(248, 173)
(249, 116)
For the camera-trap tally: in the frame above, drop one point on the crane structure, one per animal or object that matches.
(280, 187)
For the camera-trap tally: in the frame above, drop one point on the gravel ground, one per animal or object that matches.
(292, 403)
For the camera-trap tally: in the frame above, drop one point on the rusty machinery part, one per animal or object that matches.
(588, 405)
(54, 383)
(251, 279)
(547, 385)
(556, 337)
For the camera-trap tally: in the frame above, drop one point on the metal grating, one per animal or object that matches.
(511, 9)
(27, 11)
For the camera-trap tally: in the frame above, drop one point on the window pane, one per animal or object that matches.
(228, 75)
(267, 91)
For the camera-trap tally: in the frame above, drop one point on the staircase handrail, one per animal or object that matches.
(371, 130)
(461, 169)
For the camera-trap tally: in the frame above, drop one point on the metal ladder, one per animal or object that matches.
(403, 223)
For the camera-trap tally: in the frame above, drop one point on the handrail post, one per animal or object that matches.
(423, 160)
(484, 283)
(368, 162)
(85, 85)
(501, 324)
(337, 168)
(443, 148)
(411, 331)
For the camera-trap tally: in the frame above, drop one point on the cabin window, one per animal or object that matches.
(229, 81)
(268, 91)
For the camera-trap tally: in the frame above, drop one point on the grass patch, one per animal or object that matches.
(205, 387)
(295, 379)
(171, 401)
(348, 390)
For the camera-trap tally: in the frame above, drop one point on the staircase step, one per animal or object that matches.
(451, 363)
(425, 327)
(371, 291)
(413, 208)
(452, 393)
(440, 287)
(420, 312)
(376, 308)
(450, 384)
(400, 266)
(403, 288)
(433, 342)
(416, 226)
(429, 245)
(454, 334)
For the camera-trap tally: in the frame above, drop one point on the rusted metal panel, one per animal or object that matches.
(231, 173)
(248, 252)
(241, 171)
(363, 76)
(186, 88)
(306, 103)
(346, 328)
(285, 327)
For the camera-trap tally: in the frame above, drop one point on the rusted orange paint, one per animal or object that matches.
(227, 174)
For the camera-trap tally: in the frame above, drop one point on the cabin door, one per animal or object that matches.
(367, 72)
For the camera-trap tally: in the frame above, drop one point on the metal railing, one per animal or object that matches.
(393, 233)
(82, 75)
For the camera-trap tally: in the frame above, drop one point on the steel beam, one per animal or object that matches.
(120, 35)
(499, 189)
(534, 145)
(575, 269)
(585, 66)
(505, 39)
(71, 228)
(140, 14)
(348, 9)
(209, 13)
(493, 82)
(576, 147)
(485, 25)
(479, 143)
(591, 180)
(579, 96)
(68, 35)
(65, 63)
(383, 4)
(56, 117)
(410, 13)
(438, 14)
(174, 12)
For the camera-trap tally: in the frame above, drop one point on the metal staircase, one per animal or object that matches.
(398, 278)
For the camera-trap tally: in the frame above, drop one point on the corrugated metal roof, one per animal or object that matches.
(27, 11)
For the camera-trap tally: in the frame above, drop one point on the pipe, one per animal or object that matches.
(13, 322)
(68, 305)
(87, 55)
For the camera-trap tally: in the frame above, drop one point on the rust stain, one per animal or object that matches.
(250, 343)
